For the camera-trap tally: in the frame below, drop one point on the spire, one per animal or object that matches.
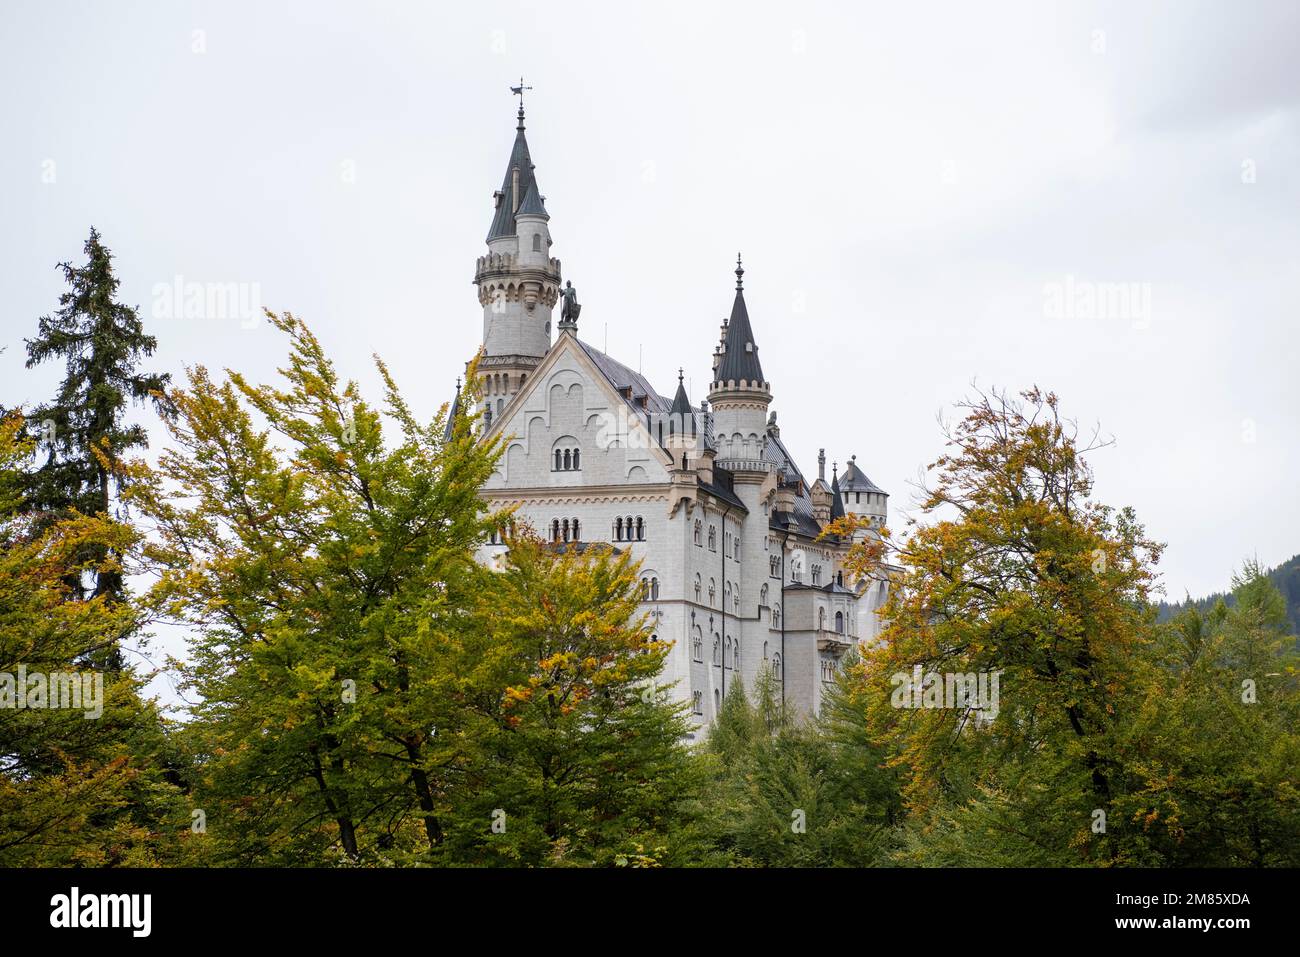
(452, 414)
(740, 354)
(532, 204)
(516, 184)
(837, 499)
(681, 411)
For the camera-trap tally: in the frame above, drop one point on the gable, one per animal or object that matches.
(568, 406)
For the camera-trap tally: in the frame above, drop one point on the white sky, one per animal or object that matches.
(911, 177)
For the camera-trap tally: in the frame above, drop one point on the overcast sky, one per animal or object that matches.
(917, 193)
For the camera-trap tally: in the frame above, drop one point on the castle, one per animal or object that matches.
(727, 527)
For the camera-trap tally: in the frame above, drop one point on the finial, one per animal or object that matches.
(680, 375)
(853, 458)
(835, 469)
(740, 274)
(458, 384)
(519, 92)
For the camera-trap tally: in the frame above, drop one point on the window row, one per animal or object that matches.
(567, 460)
(625, 530)
(565, 530)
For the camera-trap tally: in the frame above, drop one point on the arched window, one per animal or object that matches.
(776, 616)
(640, 529)
(821, 619)
(618, 527)
(839, 622)
(713, 591)
(713, 538)
(566, 529)
(762, 594)
(537, 242)
(575, 530)
(654, 588)
(558, 459)
(575, 458)
(568, 460)
(698, 528)
(698, 586)
(776, 665)
(716, 645)
(555, 530)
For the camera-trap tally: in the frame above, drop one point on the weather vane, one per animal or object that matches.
(519, 92)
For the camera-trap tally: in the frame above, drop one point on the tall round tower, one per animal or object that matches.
(518, 281)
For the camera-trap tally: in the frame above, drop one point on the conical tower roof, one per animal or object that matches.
(740, 352)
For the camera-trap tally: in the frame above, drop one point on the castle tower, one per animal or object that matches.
(518, 281)
(863, 497)
(739, 394)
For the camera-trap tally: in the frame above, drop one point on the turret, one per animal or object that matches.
(518, 281)
(863, 497)
(739, 394)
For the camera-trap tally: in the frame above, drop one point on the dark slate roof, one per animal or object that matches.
(451, 417)
(682, 411)
(621, 377)
(532, 204)
(855, 480)
(740, 353)
(723, 487)
(774, 451)
(503, 222)
(804, 516)
(837, 500)
(831, 587)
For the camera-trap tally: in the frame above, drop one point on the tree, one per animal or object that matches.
(582, 760)
(326, 573)
(1022, 575)
(102, 343)
(792, 793)
(1217, 734)
(81, 780)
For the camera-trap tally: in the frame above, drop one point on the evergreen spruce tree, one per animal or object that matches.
(102, 343)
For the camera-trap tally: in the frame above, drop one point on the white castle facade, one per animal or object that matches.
(726, 526)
